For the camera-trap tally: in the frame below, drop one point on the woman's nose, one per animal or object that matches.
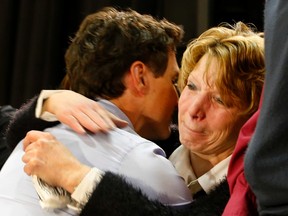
(198, 106)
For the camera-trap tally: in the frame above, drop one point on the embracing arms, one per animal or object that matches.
(112, 195)
(68, 107)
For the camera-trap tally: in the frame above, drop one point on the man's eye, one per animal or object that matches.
(175, 82)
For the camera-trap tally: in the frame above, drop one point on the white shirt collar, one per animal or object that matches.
(180, 158)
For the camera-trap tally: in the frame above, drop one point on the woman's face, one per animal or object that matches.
(206, 125)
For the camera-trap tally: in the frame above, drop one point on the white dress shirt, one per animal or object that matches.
(181, 161)
(121, 151)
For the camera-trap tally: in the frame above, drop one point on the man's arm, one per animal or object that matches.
(266, 160)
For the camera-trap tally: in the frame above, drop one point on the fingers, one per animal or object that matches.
(117, 121)
(26, 159)
(73, 123)
(33, 136)
(32, 157)
(93, 118)
(31, 164)
(105, 119)
(81, 113)
(83, 120)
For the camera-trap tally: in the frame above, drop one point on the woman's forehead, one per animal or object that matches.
(207, 68)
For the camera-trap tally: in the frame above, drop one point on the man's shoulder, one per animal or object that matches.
(104, 149)
(125, 135)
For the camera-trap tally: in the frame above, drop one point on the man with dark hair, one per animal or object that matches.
(125, 61)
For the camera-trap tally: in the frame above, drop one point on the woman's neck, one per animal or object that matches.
(201, 164)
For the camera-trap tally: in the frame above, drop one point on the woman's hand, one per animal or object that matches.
(51, 161)
(80, 113)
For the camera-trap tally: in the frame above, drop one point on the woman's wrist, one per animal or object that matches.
(74, 178)
(86, 187)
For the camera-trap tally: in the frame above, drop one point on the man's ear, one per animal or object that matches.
(139, 72)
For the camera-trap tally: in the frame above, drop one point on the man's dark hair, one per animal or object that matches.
(108, 42)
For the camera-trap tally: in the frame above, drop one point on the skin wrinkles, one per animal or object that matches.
(204, 120)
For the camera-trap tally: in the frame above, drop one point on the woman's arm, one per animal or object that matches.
(114, 196)
(23, 121)
(111, 195)
(70, 108)
(6, 113)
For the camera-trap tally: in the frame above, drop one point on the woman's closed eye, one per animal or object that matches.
(192, 86)
(218, 100)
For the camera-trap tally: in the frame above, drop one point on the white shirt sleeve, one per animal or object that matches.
(47, 116)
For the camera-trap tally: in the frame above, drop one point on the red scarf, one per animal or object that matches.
(242, 200)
